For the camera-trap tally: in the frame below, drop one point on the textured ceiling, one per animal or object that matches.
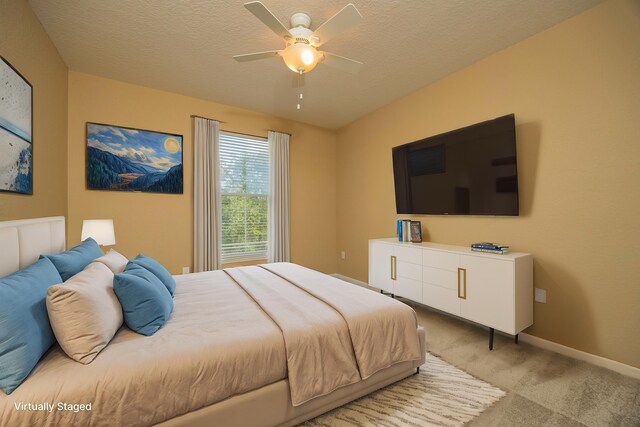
(187, 47)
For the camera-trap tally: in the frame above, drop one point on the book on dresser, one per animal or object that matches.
(404, 231)
(491, 251)
(489, 245)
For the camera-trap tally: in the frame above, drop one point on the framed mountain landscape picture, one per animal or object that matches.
(16, 130)
(128, 159)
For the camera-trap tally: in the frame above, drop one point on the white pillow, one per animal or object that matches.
(114, 260)
(84, 312)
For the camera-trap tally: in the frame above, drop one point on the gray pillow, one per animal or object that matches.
(114, 260)
(84, 312)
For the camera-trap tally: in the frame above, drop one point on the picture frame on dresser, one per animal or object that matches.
(16, 131)
(416, 232)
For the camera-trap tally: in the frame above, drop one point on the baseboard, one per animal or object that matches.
(618, 367)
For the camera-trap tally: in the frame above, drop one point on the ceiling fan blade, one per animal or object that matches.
(341, 21)
(257, 55)
(262, 13)
(341, 63)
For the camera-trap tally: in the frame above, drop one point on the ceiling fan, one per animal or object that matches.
(301, 52)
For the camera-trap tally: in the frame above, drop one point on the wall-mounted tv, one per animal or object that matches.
(468, 171)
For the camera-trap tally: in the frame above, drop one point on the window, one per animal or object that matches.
(244, 188)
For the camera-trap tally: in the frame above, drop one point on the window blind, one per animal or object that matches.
(244, 187)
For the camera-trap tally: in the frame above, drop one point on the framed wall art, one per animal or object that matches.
(128, 159)
(16, 131)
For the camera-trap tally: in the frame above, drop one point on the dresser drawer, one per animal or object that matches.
(439, 259)
(408, 288)
(409, 271)
(443, 278)
(441, 298)
(410, 255)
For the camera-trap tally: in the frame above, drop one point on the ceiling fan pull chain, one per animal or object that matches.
(299, 88)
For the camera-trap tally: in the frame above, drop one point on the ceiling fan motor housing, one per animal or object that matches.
(300, 19)
(300, 35)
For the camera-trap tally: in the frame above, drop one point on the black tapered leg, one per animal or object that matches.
(381, 291)
(393, 296)
(490, 339)
(516, 338)
(418, 370)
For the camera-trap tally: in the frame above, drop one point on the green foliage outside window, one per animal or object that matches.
(244, 167)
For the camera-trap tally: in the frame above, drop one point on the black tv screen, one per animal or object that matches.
(468, 171)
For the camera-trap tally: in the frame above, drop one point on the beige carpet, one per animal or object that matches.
(440, 395)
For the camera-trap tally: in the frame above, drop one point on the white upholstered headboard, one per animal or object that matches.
(23, 241)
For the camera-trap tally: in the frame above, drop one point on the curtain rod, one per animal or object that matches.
(193, 116)
(240, 133)
(207, 118)
(271, 130)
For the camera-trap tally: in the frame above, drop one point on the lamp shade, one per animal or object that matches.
(100, 230)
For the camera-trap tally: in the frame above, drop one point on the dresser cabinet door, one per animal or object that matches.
(381, 266)
(489, 298)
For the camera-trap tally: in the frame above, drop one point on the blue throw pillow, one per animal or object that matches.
(146, 302)
(158, 269)
(25, 332)
(71, 262)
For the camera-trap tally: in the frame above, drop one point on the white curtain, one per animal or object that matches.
(207, 227)
(278, 247)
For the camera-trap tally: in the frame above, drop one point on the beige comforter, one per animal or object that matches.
(382, 330)
(320, 356)
(226, 336)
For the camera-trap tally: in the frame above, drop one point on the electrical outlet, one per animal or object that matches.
(541, 295)
(185, 270)
(343, 255)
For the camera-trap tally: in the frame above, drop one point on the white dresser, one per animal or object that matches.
(489, 289)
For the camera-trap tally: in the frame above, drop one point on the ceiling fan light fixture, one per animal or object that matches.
(301, 53)
(300, 57)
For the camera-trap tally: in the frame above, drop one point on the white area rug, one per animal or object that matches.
(440, 395)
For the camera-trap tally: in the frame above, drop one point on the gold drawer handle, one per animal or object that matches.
(464, 284)
(393, 268)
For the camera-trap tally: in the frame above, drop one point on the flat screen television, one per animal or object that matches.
(468, 171)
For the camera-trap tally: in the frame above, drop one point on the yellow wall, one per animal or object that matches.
(575, 92)
(161, 225)
(25, 44)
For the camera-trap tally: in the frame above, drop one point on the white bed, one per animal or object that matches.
(199, 369)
